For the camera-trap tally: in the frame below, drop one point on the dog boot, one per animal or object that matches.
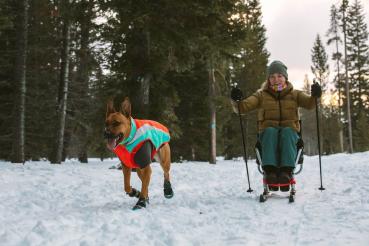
(134, 193)
(141, 203)
(284, 181)
(168, 191)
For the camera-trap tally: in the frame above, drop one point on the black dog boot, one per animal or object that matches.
(168, 191)
(134, 193)
(141, 203)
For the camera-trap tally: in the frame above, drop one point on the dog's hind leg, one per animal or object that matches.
(165, 162)
(164, 159)
(139, 174)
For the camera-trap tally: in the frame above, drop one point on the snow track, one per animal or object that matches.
(79, 204)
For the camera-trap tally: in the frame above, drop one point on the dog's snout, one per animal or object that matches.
(107, 134)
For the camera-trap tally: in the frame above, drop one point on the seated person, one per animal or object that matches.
(278, 120)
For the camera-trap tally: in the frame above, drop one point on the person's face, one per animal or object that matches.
(277, 79)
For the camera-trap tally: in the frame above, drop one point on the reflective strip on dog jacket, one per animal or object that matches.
(141, 131)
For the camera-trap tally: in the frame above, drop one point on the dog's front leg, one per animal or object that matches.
(132, 192)
(126, 178)
(145, 175)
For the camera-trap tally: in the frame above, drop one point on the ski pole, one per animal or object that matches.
(244, 148)
(318, 132)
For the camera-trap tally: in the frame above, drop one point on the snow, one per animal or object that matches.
(84, 204)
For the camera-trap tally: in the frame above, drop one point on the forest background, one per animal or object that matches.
(61, 60)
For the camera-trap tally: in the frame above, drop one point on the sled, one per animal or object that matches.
(292, 183)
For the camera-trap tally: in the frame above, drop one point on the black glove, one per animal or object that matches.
(316, 90)
(236, 94)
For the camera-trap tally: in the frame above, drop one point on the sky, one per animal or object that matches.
(292, 27)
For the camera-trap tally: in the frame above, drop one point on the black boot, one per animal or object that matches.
(272, 181)
(285, 177)
(271, 177)
(168, 191)
(141, 203)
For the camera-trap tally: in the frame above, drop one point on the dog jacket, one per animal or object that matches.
(141, 131)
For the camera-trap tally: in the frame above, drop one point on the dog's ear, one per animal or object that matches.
(126, 107)
(110, 108)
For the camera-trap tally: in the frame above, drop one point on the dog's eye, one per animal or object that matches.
(115, 124)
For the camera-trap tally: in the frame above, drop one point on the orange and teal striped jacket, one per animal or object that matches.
(141, 131)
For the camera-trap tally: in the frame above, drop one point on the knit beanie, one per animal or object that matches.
(277, 67)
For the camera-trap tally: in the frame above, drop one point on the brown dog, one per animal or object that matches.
(136, 143)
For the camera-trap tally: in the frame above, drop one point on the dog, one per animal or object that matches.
(136, 143)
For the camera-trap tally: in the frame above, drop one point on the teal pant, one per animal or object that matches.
(279, 146)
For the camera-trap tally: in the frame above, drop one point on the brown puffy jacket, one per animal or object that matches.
(276, 108)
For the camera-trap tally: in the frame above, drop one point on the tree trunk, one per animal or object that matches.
(193, 153)
(83, 80)
(145, 93)
(63, 93)
(146, 79)
(339, 97)
(351, 148)
(20, 77)
(213, 146)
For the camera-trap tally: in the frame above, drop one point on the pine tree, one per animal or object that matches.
(7, 64)
(335, 39)
(347, 102)
(192, 112)
(42, 76)
(330, 127)
(361, 133)
(320, 67)
(248, 73)
(146, 47)
(223, 39)
(358, 53)
(20, 75)
(165, 55)
(63, 91)
(82, 106)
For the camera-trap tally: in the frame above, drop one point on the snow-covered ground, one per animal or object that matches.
(79, 204)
